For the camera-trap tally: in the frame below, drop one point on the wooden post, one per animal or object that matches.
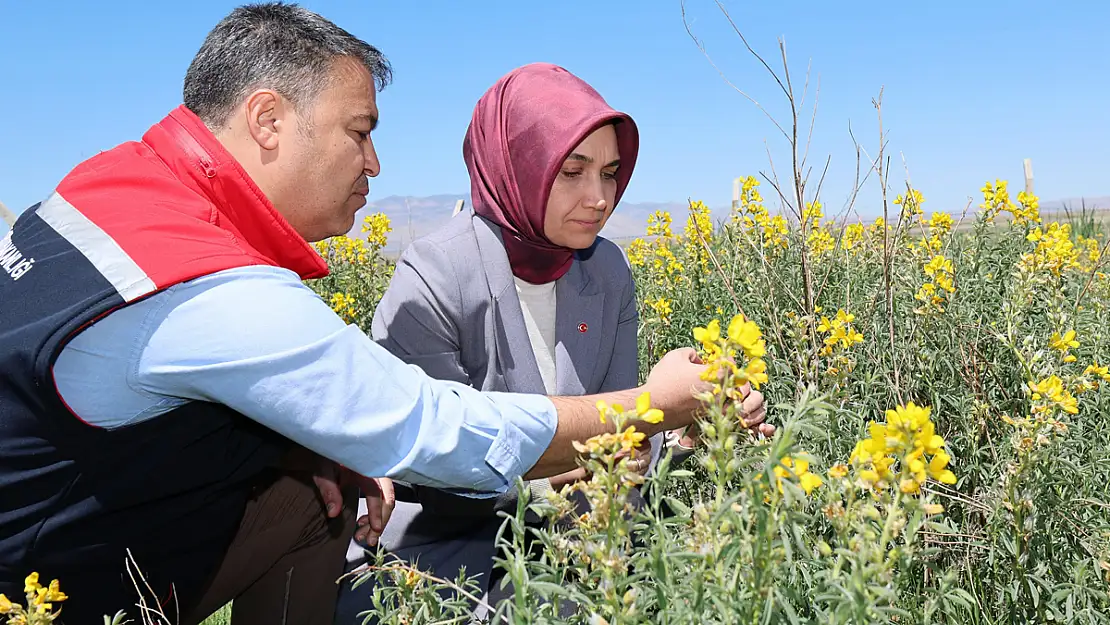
(735, 194)
(7, 216)
(1029, 176)
(458, 207)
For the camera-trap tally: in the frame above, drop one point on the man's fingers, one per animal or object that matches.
(328, 487)
(374, 510)
(389, 499)
(365, 534)
(767, 429)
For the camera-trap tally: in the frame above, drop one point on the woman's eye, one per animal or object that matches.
(572, 174)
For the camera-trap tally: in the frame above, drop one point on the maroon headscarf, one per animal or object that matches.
(522, 130)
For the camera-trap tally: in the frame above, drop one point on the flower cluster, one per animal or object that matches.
(798, 469)
(996, 200)
(1054, 253)
(1063, 344)
(1089, 253)
(344, 306)
(40, 603)
(698, 234)
(937, 291)
(658, 258)
(853, 237)
(376, 227)
(720, 351)
(910, 203)
(908, 438)
(753, 215)
(839, 333)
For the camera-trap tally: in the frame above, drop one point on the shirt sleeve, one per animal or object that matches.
(261, 342)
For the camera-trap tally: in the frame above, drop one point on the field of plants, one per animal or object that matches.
(943, 450)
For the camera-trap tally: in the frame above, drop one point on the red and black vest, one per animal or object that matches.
(74, 498)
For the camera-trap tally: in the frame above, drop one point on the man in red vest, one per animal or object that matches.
(168, 383)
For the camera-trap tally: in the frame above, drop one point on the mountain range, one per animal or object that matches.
(415, 216)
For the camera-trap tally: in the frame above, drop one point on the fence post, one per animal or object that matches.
(7, 216)
(736, 194)
(458, 207)
(1029, 176)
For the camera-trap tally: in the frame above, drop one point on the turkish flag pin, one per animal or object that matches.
(583, 327)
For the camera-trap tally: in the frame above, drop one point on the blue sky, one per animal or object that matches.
(971, 87)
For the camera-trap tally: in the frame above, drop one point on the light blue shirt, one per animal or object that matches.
(261, 342)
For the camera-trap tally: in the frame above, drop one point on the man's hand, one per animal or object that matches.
(328, 481)
(380, 499)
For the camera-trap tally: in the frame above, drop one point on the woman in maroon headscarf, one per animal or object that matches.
(520, 295)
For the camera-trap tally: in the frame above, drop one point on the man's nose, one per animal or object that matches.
(371, 165)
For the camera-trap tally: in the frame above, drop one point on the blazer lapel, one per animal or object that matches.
(513, 350)
(579, 310)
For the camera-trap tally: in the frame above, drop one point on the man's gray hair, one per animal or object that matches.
(277, 46)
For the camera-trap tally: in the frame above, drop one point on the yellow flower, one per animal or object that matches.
(940, 223)
(910, 203)
(376, 227)
(602, 409)
(799, 469)
(938, 264)
(756, 372)
(812, 214)
(6, 605)
(1054, 251)
(659, 225)
(54, 592)
(746, 334)
(661, 307)
(630, 438)
(1098, 371)
(1050, 393)
(637, 252)
(838, 471)
(853, 234)
(344, 306)
(1062, 343)
(933, 508)
(908, 436)
(938, 469)
(708, 335)
(31, 583)
(645, 411)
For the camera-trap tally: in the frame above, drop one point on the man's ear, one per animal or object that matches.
(265, 111)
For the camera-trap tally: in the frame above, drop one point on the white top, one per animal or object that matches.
(537, 302)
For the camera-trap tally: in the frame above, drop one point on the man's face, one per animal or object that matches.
(331, 155)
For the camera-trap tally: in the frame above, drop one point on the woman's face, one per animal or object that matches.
(584, 191)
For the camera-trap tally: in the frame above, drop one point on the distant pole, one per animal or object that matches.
(736, 194)
(458, 207)
(1029, 176)
(7, 215)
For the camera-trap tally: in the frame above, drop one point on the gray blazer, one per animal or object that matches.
(452, 309)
